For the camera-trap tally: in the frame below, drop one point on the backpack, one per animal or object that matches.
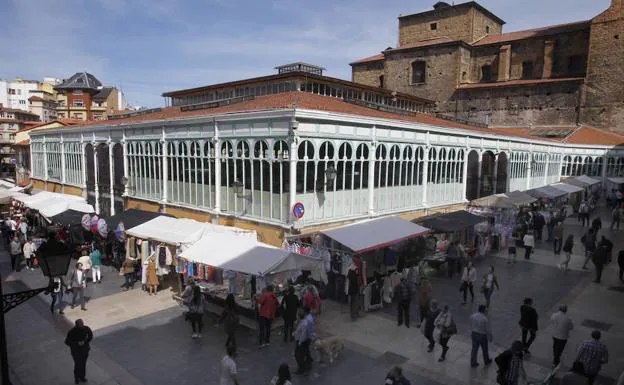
(503, 361)
(584, 208)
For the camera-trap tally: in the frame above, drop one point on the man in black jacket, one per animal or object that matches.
(78, 339)
(528, 323)
(599, 259)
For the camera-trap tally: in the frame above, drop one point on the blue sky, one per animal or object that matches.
(151, 46)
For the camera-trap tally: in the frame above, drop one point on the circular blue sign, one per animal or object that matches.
(298, 210)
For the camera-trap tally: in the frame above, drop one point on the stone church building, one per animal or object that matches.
(563, 75)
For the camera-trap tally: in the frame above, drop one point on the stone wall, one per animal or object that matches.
(453, 23)
(603, 104)
(545, 104)
(367, 73)
(441, 73)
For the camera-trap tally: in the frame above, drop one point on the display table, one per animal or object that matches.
(436, 260)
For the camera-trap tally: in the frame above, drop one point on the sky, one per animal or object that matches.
(148, 47)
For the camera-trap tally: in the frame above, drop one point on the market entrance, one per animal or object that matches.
(488, 164)
(501, 173)
(90, 174)
(472, 177)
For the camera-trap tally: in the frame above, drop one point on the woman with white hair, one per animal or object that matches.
(444, 329)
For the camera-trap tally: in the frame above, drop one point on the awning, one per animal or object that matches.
(7, 193)
(132, 218)
(500, 201)
(51, 207)
(239, 250)
(29, 200)
(450, 222)
(180, 231)
(566, 187)
(68, 218)
(546, 192)
(520, 198)
(616, 180)
(374, 234)
(588, 180)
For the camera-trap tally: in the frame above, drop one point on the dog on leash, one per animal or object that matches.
(328, 348)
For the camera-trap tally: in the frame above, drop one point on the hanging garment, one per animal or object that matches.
(387, 290)
(367, 297)
(132, 247)
(375, 296)
(162, 255)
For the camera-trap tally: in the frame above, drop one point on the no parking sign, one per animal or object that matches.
(298, 210)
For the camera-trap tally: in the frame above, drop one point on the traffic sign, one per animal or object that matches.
(298, 210)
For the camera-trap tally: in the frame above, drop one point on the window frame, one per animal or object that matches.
(423, 76)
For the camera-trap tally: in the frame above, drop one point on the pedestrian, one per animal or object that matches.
(552, 223)
(621, 265)
(468, 278)
(196, 312)
(78, 284)
(15, 249)
(85, 261)
(481, 333)
(96, 265)
(58, 285)
(583, 213)
(567, 250)
(596, 224)
(283, 376)
(515, 367)
(557, 238)
(593, 354)
(151, 276)
(78, 339)
(312, 299)
(609, 247)
(395, 377)
(353, 291)
(615, 217)
(511, 250)
(304, 335)
(528, 323)
(539, 223)
(268, 307)
(452, 258)
(129, 272)
(227, 370)
(444, 328)
(576, 375)
(23, 228)
(429, 325)
(290, 306)
(599, 259)
(230, 320)
(29, 252)
(489, 283)
(403, 294)
(562, 325)
(589, 241)
(424, 299)
(529, 244)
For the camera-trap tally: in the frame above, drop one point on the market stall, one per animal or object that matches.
(574, 194)
(449, 227)
(232, 261)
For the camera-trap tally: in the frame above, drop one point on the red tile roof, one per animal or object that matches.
(517, 83)
(532, 33)
(592, 135)
(304, 100)
(36, 99)
(370, 59)
(23, 143)
(62, 122)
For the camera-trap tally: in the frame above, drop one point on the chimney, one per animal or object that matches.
(504, 63)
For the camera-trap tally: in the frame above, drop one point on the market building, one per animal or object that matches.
(245, 153)
(459, 56)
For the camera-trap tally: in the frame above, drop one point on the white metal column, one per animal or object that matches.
(112, 177)
(83, 163)
(546, 169)
(292, 181)
(63, 163)
(217, 170)
(465, 173)
(45, 163)
(164, 150)
(371, 172)
(529, 165)
(425, 174)
(495, 175)
(125, 163)
(479, 173)
(97, 178)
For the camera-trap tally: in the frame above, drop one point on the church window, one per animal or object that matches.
(527, 69)
(486, 73)
(418, 72)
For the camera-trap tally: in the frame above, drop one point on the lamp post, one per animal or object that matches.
(55, 258)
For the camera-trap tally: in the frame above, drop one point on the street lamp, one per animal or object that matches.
(55, 258)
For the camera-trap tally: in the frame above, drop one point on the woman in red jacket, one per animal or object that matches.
(268, 306)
